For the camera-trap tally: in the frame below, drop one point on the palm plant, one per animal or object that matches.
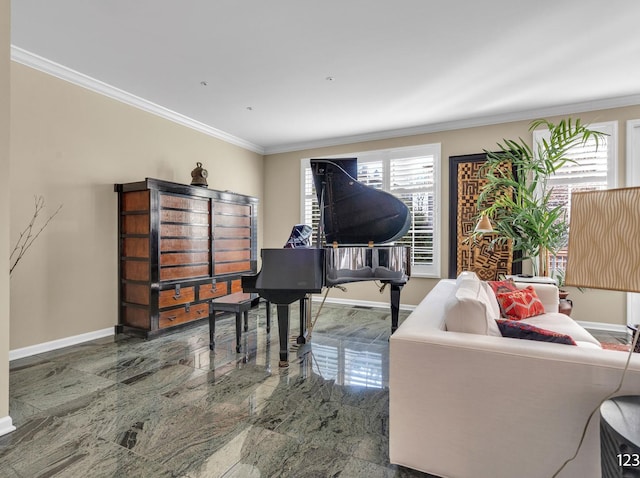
(516, 197)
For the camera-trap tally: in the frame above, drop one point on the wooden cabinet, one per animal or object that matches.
(179, 247)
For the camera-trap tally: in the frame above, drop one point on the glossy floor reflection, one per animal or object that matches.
(170, 407)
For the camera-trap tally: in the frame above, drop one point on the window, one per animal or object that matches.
(410, 174)
(592, 170)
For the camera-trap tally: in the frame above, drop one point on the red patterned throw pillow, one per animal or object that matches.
(522, 330)
(520, 304)
(501, 286)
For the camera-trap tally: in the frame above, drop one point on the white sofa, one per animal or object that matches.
(468, 405)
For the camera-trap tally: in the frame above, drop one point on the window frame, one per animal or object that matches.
(432, 270)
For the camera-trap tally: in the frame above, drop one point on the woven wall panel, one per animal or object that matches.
(488, 262)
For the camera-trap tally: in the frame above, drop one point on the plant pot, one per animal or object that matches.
(565, 305)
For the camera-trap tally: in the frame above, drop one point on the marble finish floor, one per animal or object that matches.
(609, 337)
(170, 407)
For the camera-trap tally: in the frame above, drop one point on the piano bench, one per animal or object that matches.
(238, 303)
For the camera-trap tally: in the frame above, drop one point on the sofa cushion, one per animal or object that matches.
(563, 324)
(520, 304)
(492, 302)
(466, 275)
(471, 310)
(522, 330)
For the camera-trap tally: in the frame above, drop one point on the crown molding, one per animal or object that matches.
(570, 108)
(32, 60)
(37, 62)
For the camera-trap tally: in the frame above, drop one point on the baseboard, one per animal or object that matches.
(6, 425)
(60, 343)
(360, 303)
(603, 326)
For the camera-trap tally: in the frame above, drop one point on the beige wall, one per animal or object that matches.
(71, 145)
(282, 204)
(4, 204)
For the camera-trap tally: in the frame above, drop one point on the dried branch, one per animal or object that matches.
(27, 236)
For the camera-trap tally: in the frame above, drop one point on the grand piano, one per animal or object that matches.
(357, 227)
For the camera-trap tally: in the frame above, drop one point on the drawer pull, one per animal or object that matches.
(176, 296)
(172, 318)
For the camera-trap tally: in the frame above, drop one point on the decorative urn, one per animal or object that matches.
(199, 176)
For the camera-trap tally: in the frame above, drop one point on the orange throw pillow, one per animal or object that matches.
(520, 304)
(500, 286)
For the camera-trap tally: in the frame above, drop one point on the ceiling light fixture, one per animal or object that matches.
(330, 78)
(203, 83)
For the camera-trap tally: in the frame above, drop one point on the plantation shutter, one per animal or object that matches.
(591, 169)
(371, 173)
(311, 207)
(412, 180)
(589, 172)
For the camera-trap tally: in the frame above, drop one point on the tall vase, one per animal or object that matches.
(566, 305)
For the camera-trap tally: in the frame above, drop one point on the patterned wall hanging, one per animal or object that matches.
(489, 262)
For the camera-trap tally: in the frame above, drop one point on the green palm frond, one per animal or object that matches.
(516, 197)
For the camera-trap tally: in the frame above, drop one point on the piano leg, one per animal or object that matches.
(395, 305)
(268, 307)
(305, 308)
(283, 331)
(238, 330)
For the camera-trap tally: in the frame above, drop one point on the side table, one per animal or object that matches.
(620, 437)
(634, 330)
(239, 303)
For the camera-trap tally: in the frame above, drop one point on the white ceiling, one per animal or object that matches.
(398, 67)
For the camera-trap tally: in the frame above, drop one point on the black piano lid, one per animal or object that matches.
(355, 213)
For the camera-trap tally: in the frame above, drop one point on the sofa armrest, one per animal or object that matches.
(469, 405)
(547, 293)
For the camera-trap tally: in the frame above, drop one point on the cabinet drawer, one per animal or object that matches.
(228, 208)
(180, 315)
(184, 217)
(231, 232)
(181, 245)
(236, 286)
(183, 202)
(233, 256)
(230, 267)
(183, 258)
(183, 231)
(169, 298)
(232, 221)
(184, 272)
(210, 291)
